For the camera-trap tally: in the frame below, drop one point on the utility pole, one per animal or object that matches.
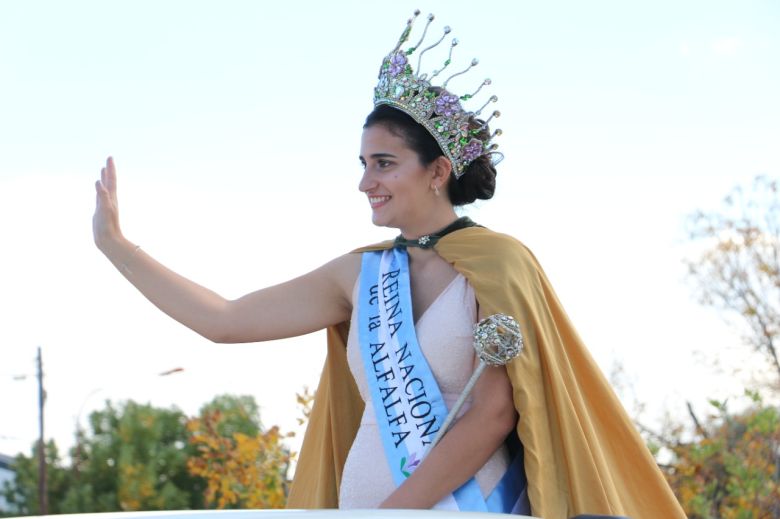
(43, 507)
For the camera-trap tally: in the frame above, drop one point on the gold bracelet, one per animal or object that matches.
(124, 266)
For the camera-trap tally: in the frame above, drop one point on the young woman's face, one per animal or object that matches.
(397, 185)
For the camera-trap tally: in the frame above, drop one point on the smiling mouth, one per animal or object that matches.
(377, 201)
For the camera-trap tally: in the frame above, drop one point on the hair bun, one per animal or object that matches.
(478, 182)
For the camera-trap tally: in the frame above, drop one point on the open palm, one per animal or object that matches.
(105, 222)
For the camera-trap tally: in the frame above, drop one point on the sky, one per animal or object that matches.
(235, 127)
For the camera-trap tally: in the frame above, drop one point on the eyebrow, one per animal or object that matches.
(379, 156)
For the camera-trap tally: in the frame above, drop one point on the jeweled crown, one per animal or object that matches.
(435, 107)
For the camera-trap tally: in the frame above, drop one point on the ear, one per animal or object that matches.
(442, 169)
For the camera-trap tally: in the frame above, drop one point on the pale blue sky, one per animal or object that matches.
(235, 126)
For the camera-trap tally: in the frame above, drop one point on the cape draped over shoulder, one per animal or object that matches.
(582, 452)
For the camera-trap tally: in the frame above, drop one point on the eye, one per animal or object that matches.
(382, 163)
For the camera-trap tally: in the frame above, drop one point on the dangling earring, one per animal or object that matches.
(436, 189)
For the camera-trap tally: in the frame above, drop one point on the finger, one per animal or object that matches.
(111, 176)
(100, 190)
(98, 193)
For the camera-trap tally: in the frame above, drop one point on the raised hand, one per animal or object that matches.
(105, 222)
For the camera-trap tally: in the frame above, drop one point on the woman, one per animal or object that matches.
(422, 154)
(402, 193)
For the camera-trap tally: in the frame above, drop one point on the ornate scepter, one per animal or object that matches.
(497, 340)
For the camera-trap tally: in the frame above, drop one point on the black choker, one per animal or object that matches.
(429, 240)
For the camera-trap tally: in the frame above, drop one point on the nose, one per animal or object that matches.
(367, 183)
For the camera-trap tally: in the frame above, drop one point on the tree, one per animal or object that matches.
(138, 457)
(22, 494)
(728, 465)
(738, 270)
(730, 468)
(239, 414)
(243, 466)
(134, 458)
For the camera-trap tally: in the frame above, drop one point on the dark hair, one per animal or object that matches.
(478, 180)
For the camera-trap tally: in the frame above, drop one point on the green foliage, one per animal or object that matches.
(136, 457)
(731, 468)
(239, 414)
(22, 494)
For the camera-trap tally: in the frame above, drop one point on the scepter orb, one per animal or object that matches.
(497, 340)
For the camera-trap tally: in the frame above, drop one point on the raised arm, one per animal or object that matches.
(299, 306)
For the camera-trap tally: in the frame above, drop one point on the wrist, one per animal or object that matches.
(118, 250)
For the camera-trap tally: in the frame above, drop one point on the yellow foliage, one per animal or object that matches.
(305, 401)
(241, 471)
(135, 487)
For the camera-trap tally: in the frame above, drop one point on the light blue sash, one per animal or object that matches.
(407, 402)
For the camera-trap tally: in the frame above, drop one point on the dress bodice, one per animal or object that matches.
(445, 334)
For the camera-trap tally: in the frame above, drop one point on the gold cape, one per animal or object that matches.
(582, 452)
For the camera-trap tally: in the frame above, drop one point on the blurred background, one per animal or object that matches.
(235, 127)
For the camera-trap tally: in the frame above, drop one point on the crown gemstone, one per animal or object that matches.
(447, 105)
(397, 64)
(472, 150)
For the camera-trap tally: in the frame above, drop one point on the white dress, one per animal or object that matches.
(445, 334)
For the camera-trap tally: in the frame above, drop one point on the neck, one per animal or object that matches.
(430, 226)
